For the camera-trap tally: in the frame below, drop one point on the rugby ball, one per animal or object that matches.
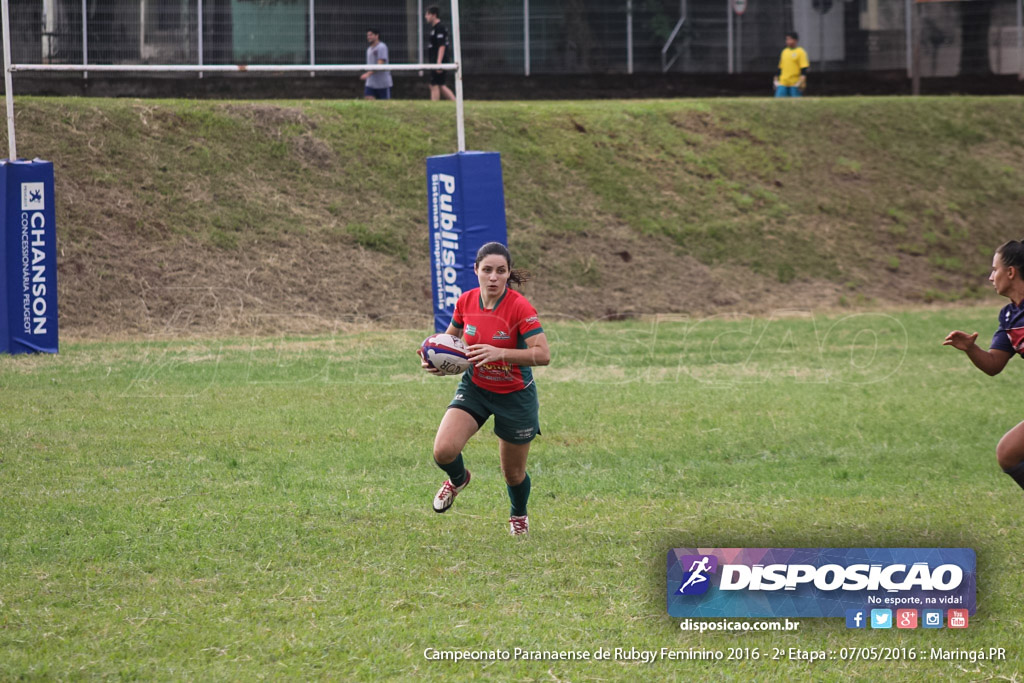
(445, 353)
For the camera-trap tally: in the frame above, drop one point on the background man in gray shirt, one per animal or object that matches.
(378, 83)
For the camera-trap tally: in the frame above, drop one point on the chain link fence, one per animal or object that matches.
(531, 36)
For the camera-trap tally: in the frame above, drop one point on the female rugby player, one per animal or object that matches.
(505, 339)
(1008, 279)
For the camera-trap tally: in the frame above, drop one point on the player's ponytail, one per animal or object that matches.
(1012, 255)
(516, 276)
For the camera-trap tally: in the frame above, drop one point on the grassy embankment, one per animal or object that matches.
(180, 217)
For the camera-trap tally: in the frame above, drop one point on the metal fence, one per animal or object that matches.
(532, 36)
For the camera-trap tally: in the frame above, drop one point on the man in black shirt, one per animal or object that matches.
(438, 49)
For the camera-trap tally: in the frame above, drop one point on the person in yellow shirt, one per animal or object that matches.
(791, 79)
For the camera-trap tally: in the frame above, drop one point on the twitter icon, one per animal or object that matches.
(881, 618)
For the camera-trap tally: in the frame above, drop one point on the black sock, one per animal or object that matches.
(519, 494)
(1017, 474)
(455, 470)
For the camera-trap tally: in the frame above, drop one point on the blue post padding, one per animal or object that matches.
(466, 209)
(28, 258)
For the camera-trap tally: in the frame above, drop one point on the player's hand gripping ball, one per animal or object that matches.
(445, 353)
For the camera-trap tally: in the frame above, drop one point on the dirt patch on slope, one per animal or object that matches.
(301, 285)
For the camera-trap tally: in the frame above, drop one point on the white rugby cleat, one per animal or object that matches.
(446, 494)
(519, 526)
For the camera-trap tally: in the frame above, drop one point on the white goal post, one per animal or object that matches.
(10, 69)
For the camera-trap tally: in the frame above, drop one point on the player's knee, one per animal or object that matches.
(444, 453)
(514, 475)
(1007, 455)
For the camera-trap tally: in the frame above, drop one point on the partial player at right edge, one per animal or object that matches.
(1008, 279)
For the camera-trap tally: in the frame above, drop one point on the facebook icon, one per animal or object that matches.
(856, 618)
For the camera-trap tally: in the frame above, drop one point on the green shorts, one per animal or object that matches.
(516, 418)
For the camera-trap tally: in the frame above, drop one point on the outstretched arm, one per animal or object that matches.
(991, 361)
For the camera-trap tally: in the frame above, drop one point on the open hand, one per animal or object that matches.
(960, 340)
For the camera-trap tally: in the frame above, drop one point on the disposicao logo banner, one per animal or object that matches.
(816, 582)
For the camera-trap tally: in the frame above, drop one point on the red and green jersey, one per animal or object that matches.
(512, 320)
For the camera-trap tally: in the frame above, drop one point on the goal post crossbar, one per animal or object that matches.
(232, 68)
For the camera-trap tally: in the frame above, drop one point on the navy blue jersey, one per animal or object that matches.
(1010, 335)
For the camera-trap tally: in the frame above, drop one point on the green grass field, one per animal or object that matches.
(246, 508)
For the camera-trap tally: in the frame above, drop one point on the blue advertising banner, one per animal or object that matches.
(818, 582)
(28, 258)
(466, 209)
